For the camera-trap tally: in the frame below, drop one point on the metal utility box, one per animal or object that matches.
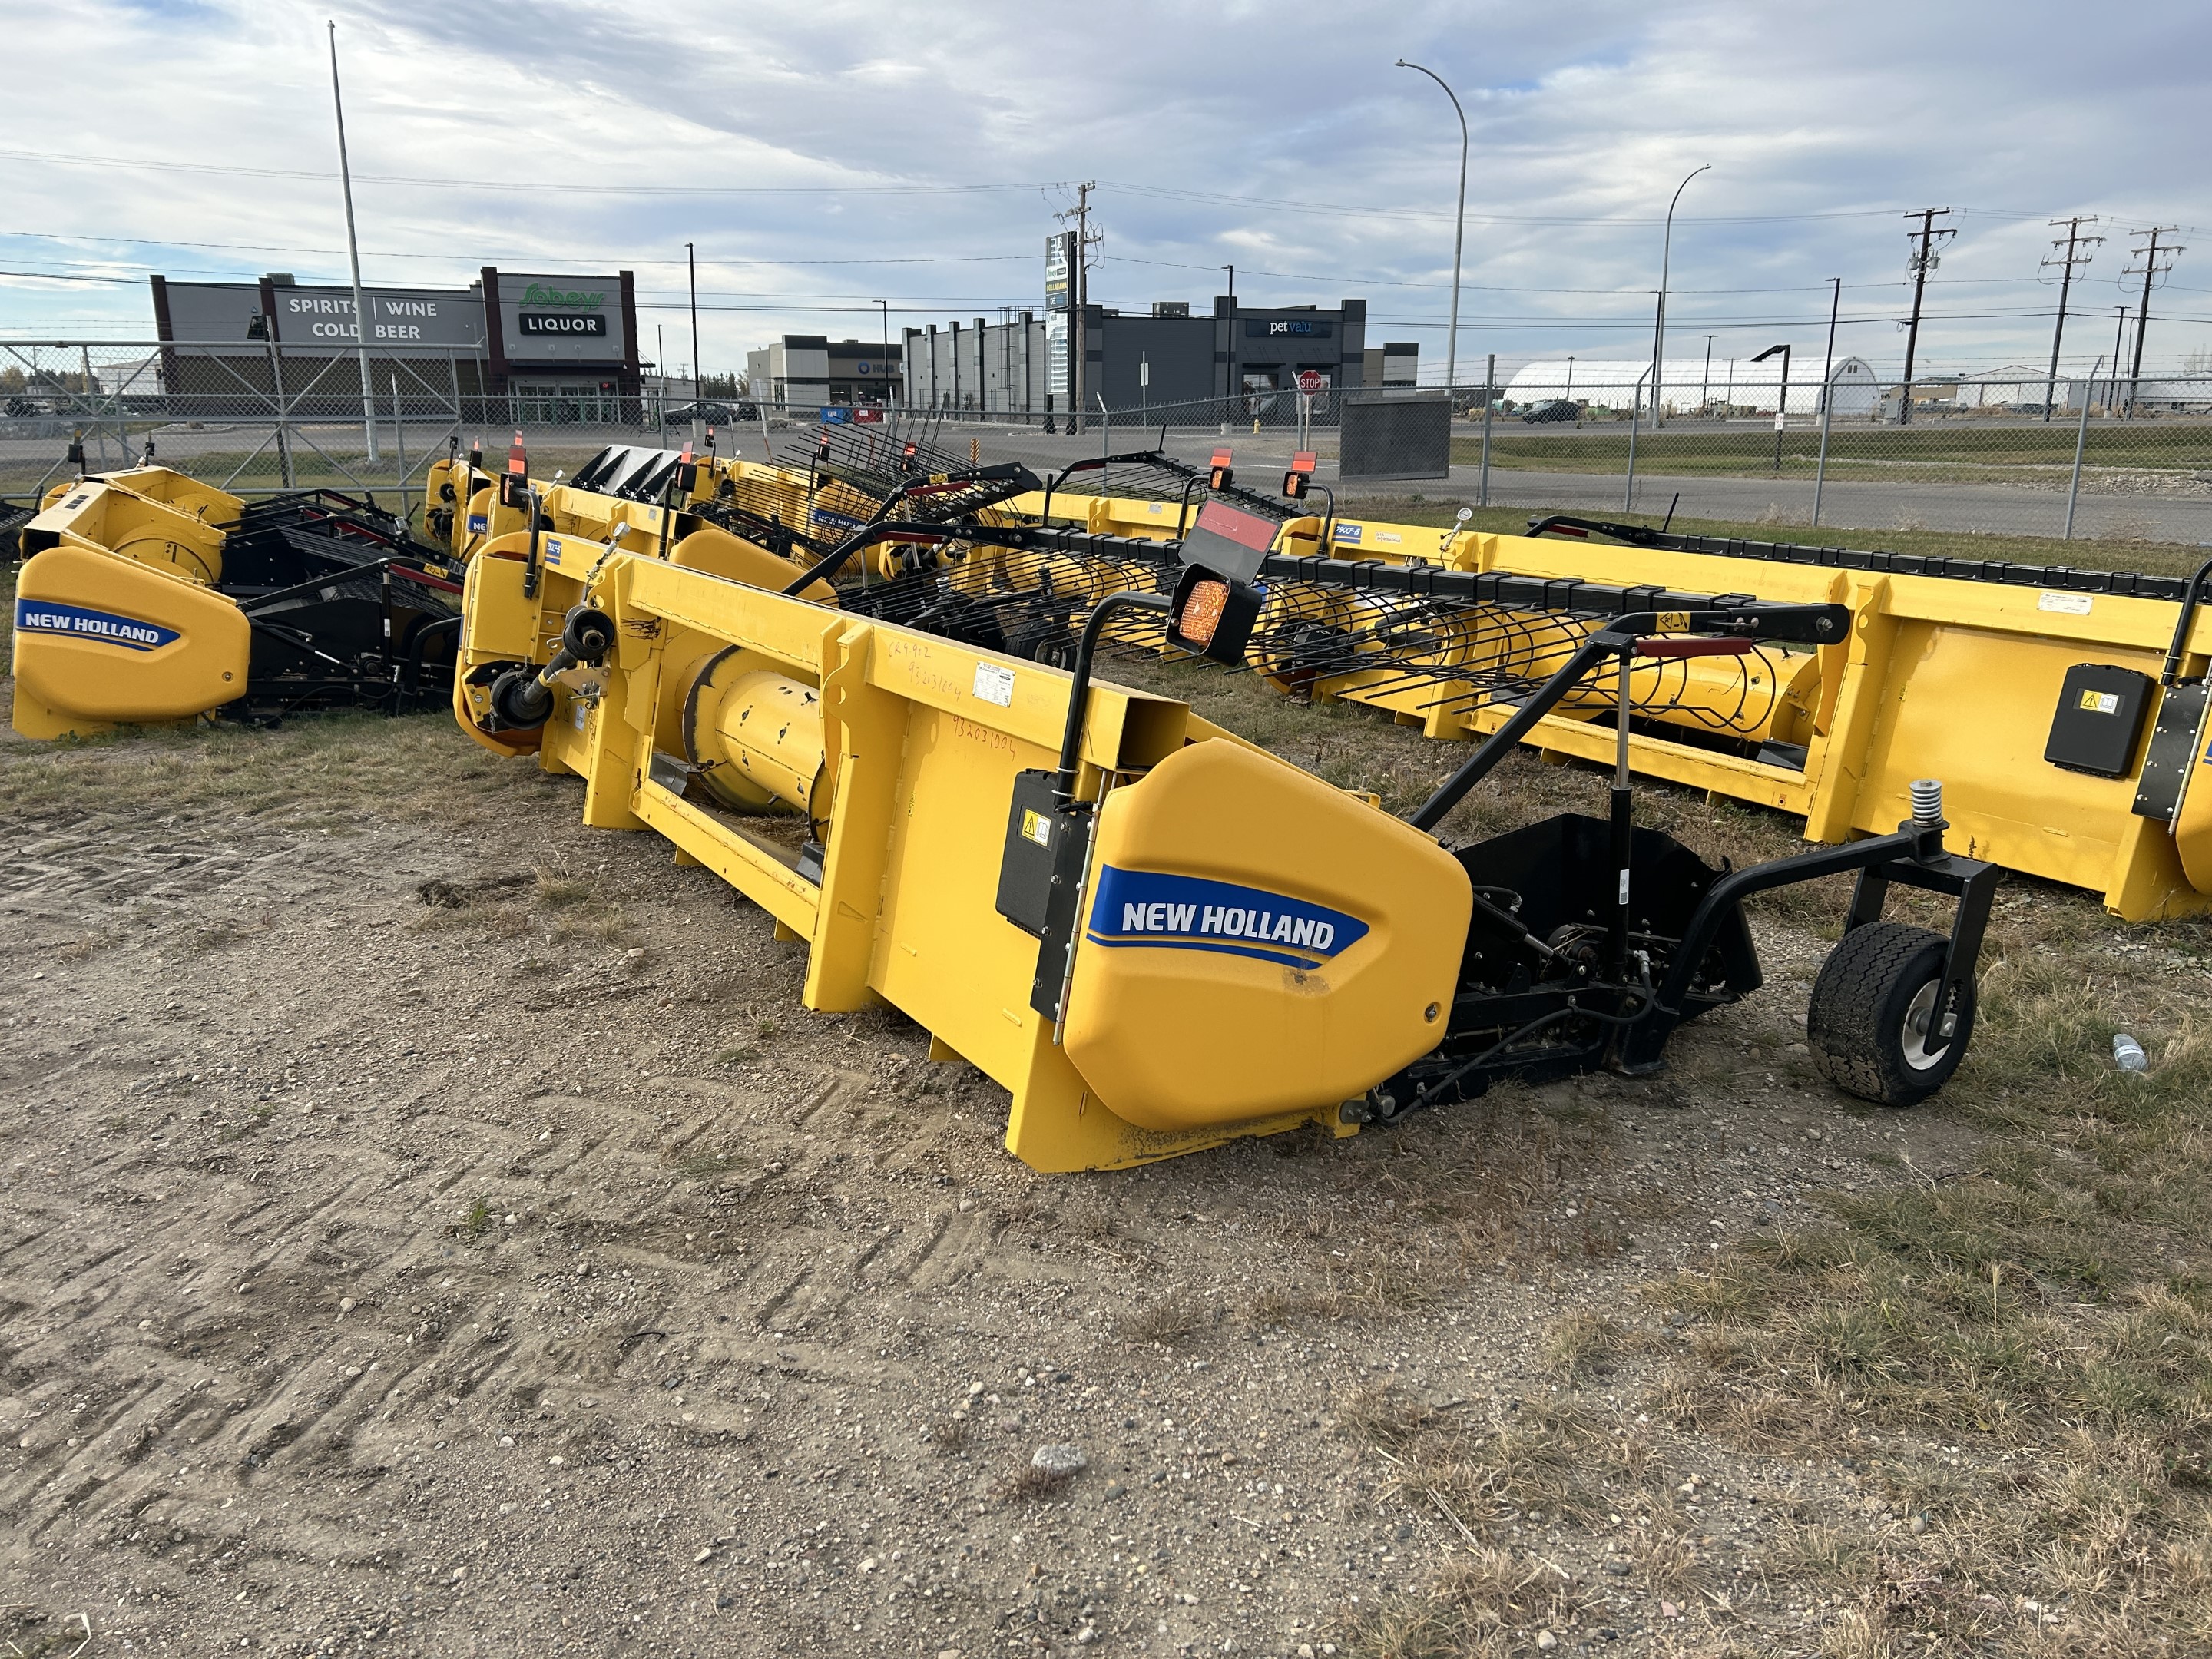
(2099, 717)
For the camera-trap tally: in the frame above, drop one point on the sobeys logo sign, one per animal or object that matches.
(537, 295)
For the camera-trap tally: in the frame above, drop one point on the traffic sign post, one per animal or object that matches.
(1310, 382)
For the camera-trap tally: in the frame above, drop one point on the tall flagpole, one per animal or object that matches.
(361, 323)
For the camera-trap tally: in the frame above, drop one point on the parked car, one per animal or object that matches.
(1557, 408)
(712, 414)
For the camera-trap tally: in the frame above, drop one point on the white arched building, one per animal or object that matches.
(1688, 385)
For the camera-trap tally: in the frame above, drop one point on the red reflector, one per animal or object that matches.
(1222, 458)
(515, 461)
(685, 457)
(1302, 461)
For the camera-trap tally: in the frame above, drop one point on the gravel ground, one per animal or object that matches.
(460, 1241)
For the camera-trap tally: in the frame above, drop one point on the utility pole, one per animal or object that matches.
(698, 378)
(1078, 284)
(353, 247)
(2067, 262)
(2149, 254)
(1921, 260)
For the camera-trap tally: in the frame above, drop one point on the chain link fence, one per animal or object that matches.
(1998, 450)
(255, 420)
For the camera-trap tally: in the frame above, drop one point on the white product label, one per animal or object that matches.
(1624, 887)
(2071, 605)
(1388, 536)
(580, 713)
(994, 685)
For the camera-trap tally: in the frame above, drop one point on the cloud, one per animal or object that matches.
(1277, 137)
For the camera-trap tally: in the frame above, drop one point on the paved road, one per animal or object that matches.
(1872, 506)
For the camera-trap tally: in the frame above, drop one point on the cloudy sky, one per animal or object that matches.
(828, 156)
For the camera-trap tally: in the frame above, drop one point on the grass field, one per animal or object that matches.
(1945, 454)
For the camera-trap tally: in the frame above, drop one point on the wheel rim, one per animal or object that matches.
(1926, 1045)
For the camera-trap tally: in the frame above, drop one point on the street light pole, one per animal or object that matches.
(1781, 404)
(1459, 230)
(884, 367)
(1659, 322)
(1827, 398)
(353, 247)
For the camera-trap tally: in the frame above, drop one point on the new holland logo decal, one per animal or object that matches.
(1187, 913)
(78, 623)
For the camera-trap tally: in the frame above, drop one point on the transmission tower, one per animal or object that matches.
(1923, 259)
(2156, 262)
(2068, 254)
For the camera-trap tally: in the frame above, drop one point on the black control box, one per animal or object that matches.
(2099, 720)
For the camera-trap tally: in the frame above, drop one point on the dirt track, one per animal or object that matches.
(453, 1237)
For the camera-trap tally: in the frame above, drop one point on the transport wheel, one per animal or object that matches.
(1874, 1022)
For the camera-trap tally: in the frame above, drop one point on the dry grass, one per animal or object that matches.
(1166, 1321)
(1486, 1602)
(2047, 1314)
(311, 772)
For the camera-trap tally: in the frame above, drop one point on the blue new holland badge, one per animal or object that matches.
(1143, 908)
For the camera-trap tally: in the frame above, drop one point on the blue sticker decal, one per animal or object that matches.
(1348, 532)
(552, 550)
(825, 519)
(479, 522)
(1188, 913)
(43, 617)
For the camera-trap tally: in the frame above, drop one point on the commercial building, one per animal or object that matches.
(811, 371)
(545, 348)
(1239, 363)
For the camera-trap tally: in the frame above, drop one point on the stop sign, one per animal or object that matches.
(1310, 381)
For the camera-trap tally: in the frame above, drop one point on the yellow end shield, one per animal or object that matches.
(1254, 942)
(101, 639)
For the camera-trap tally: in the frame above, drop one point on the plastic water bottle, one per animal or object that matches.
(2128, 1054)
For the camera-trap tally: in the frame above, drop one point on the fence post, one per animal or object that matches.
(284, 430)
(2080, 438)
(1821, 471)
(399, 437)
(1635, 417)
(1489, 396)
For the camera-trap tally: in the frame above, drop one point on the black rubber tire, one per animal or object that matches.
(1857, 1021)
